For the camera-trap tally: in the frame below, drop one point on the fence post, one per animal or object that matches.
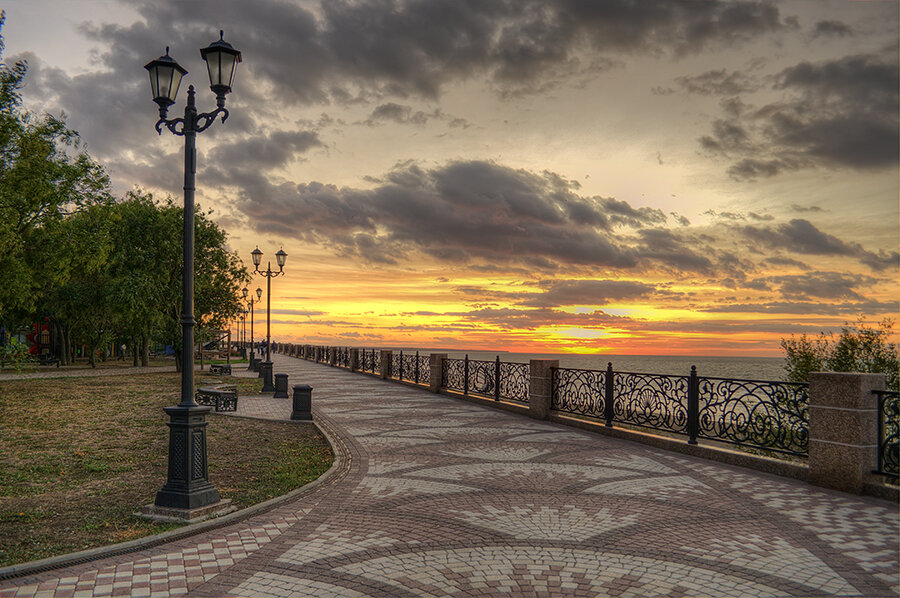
(466, 376)
(354, 360)
(385, 364)
(436, 361)
(540, 387)
(693, 406)
(417, 368)
(609, 398)
(843, 423)
(399, 367)
(332, 356)
(497, 379)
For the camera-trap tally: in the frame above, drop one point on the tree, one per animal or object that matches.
(44, 177)
(858, 348)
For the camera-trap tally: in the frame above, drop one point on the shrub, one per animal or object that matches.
(858, 348)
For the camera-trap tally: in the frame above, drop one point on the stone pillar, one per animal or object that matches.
(540, 389)
(843, 425)
(354, 360)
(385, 364)
(436, 361)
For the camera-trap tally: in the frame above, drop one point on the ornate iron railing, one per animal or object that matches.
(888, 432)
(659, 402)
(515, 378)
(367, 360)
(453, 375)
(494, 379)
(581, 392)
(760, 414)
(765, 415)
(397, 365)
(423, 369)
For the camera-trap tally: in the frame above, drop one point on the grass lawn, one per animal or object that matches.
(78, 456)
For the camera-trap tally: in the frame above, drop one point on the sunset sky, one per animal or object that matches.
(698, 178)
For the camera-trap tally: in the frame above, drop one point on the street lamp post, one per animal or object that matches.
(188, 489)
(280, 258)
(254, 364)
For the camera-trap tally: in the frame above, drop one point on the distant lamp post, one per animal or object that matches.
(188, 493)
(280, 258)
(254, 363)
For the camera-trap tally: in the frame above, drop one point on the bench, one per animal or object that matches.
(223, 397)
(218, 369)
(47, 359)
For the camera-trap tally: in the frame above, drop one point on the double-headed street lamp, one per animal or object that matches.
(254, 364)
(280, 258)
(188, 487)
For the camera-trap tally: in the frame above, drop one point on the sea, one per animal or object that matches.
(747, 368)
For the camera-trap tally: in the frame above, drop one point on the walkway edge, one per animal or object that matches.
(340, 467)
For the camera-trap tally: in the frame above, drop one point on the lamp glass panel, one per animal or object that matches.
(154, 82)
(176, 83)
(280, 258)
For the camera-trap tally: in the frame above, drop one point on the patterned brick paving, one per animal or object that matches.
(447, 498)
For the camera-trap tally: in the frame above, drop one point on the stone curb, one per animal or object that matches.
(338, 469)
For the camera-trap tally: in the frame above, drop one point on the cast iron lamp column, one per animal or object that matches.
(246, 292)
(188, 485)
(280, 258)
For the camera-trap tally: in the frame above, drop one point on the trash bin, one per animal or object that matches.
(302, 408)
(281, 386)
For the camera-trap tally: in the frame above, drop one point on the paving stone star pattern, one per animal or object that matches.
(444, 497)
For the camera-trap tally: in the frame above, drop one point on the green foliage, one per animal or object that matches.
(44, 177)
(98, 269)
(858, 348)
(14, 353)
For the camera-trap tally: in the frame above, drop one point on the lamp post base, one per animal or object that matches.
(188, 486)
(265, 372)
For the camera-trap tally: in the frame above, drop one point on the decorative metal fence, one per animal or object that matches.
(888, 432)
(367, 360)
(494, 379)
(411, 367)
(766, 415)
(343, 357)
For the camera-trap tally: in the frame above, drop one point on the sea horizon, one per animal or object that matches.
(743, 367)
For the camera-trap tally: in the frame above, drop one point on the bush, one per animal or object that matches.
(858, 348)
(14, 352)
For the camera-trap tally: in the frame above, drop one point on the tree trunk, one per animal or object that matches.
(134, 351)
(177, 360)
(145, 351)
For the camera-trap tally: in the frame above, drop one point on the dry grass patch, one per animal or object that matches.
(79, 455)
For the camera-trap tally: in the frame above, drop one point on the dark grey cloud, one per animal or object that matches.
(803, 209)
(806, 308)
(399, 113)
(801, 236)
(478, 213)
(265, 151)
(718, 82)
(586, 292)
(818, 285)
(345, 51)
(831, 28)
(834, 113)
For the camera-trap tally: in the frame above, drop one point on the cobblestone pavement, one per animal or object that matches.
(448, 498)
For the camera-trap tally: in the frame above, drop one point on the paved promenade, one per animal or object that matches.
(441, 497)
